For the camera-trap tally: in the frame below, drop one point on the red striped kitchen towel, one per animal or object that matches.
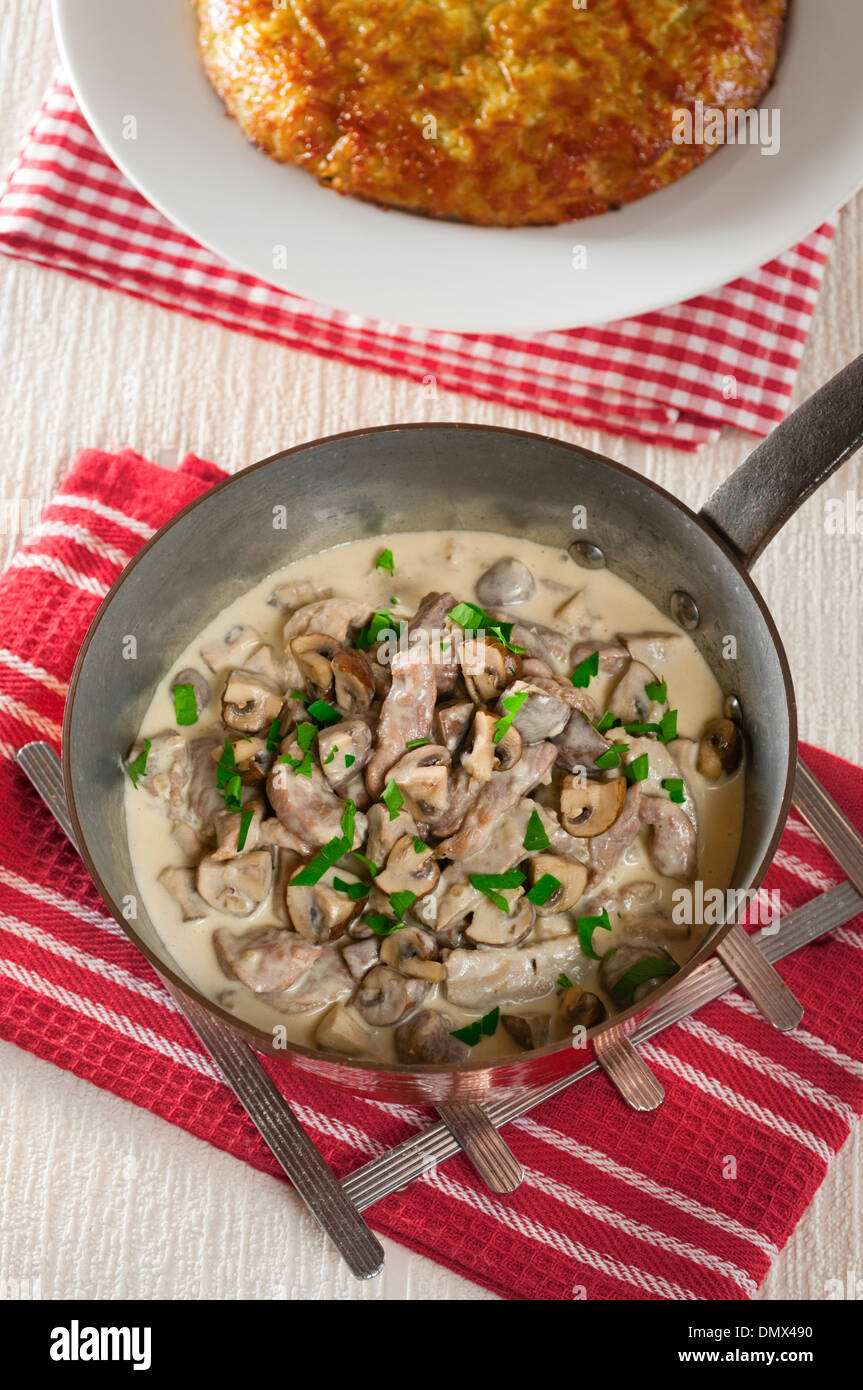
(692, 1201)
(672, 377)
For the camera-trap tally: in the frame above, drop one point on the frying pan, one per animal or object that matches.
(694, 566)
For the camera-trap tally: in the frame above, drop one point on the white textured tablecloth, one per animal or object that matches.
(100, 1199)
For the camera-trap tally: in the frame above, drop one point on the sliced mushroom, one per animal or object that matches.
(544, 714)
(264, 959)
(617, 963)
(200, 685)
(319, 911)
(630, 701)
(360, 956)
(422, 776)
(313, 654)
(251, 702)
(180, 883)
(341, 1031)
(427, 1038)
(451, 723)
(354, 682)
(589, 808)
(508, 750)
(487, 668)
(412, 951)
(252, 758)
(344, 749)
(232, 649)
(411, 867)
(384, 832)
(720, 749)
(491, 927)
(528, 1030)
(507, 582)
(236, 885)
(571, 877)
(478, 755)
(385, 996)
(581, 1009)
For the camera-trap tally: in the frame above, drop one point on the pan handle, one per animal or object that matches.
(753, 504)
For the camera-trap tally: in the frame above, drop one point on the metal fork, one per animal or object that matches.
(241, 1069)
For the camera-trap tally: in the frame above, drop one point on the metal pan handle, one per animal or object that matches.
(777, 477)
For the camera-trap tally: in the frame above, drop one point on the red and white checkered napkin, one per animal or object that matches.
(692, 1201)
(672, 377)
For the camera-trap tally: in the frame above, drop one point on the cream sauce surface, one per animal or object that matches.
(426, 561)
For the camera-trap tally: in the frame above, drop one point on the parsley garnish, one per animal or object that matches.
(419, 845)
(331, 757)
(380, 622)
(608, 721)
(385, 562)
(392, 799)
(416, 742)
(637, 974)
(324, 714)
(674, 787)
(331, 853)
(657, 690)
(484, 1027)
(638, 769)
(185, 707)
(226, 767)
(535, 837)
(382, 925)
(350, 759)
(585, 670)
(490, 883)
(401, 901)
(543, 889)
(273, 737)
(298, 695)
(246, 819)
(353, 890)
(138, 768)
(586, 926)
(234, 793)
(367, 863)
(668, 726)
(563, 981)
(512, 704)
(473, 619)
(638, 729)
(612, 756)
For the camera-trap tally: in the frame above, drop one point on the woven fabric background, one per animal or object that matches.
(674, 376)
(614, 1205)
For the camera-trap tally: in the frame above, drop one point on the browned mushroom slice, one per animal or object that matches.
(478, 754)
(720, 749)
(319, 911)
(451, 723)
(180, 883)
(264, 959)
(674, 848)
(200, 687)
(232, 649)
(412, 951)
(431, 618)
(581, 1009)
(630, 701)
(385, 996)
(360, 956)
(384, 831)
(411, 867)
(326, 982)
(571, 878)
(341, 1031)
(508, 749)
(487, 667)
(250, 702)
(528, 1030)
(229, 827)
(406, 714)
(252, 758)
(422, 777)
(344, 749)
(588, 808)
(236, 885)
(314, 654)
(354, 682)
(491, 927)
(306, 806)
(507, 582)
(612, 656)
(427, 1037)
(543, 714)
(504, 791)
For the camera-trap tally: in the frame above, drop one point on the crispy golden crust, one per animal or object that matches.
(501, 112)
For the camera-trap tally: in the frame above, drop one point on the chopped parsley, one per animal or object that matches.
(138, 768)
(246, 819)
(305, 737)
(484, 1027)
(392, 799)
(474, 619)
(298, 695)
(400, 902)
(638, 729)
(419, 845)
(491, 884)
(674, 787)
(563, 981)
(233, 791)
(608, 721)
(612, 756)
(657, 690)
(544, 888)
(354, 891)
(586, 926)
(386, 562)
(416, 742)
(585, 670)
(331, 757)
(324, 714)
(638, 770)
(637, 974)
(350, 759)
(185, 705)
(382, 925)
(668, 726)
(512, 704)
(226, 767)
(535, 837)
(273, 737)
(367, 863)
(381, 621)
(331, 853)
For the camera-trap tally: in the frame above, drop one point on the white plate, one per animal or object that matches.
(125, 57)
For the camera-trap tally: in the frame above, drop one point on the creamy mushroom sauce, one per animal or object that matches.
(633, 880)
